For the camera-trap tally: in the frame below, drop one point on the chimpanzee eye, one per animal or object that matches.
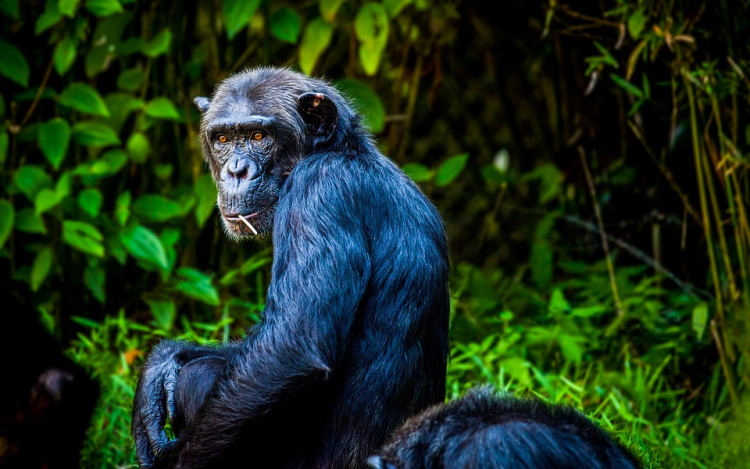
(222, 138)
(257, 135)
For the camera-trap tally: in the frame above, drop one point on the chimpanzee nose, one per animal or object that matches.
(242, 168)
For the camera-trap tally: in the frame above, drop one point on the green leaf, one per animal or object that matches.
(369, 56)
(84, 98)
(450, 169)
(64, 55)
(68, 7)
(7, 216)
(328, 9)
(197, 285)
(157, 208)
(103, 7)
(84, 237)
(13, 64)
(54, 137)
(237, 14)
(49, 18)
(144, 245)
(636, 22)
(158, 45)
(41, 267)
(94, 277)
(130, 80)
(29, 222)
(371, 26)
(570, 347)
(205, 192)
(45, 200)
(316, 39)
(161, 108)
(122, 208)
(9, 8)
(138, 147)
(90, 200)
(417, 172)
(366, 101)
(626, 85)
(94, 134)
(164, 312)
(557, 303)
(541, 263)
(700, 319)
(394, 7)
(31, 179)
(62, 186)
(286, 25)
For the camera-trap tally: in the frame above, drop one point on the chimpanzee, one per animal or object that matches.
(354, 336)
(485, 431)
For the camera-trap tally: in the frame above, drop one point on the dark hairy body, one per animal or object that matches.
(485, 431)
(354, 336)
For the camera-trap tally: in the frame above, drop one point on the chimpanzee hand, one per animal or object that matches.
(154, 402)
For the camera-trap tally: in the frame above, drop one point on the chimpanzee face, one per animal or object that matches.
(253, 132)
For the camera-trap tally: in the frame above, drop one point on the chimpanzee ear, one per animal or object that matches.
(320, 116)
(202, 104)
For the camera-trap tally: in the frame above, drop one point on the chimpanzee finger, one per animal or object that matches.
(170, 383)
(146, 458)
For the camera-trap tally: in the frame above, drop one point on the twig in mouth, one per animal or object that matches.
(248, 224)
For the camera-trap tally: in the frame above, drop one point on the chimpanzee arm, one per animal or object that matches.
(155, 397)
(320, 272)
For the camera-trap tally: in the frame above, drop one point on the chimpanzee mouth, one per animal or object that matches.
(239, 218)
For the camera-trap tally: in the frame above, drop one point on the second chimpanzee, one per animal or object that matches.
(485, 431)
(354, 336)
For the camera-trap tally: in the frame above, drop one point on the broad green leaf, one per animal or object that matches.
(97, 60)
(64, 55)
(84, 98)
(570, 347)
(13, 64)
(366, 101)
(122, 208)
(84, 237)
(94, 134)
(130, 80)
(636, 22)
(205, 192)
(394, 7)
(9, 8)
(7, 216)
(45, 200)
(328, 9)
(144, 245)
(315, 40)
(29, 222)
(103, 7)
(138, 147)
(90, 200)
(197, 285)
(54, 137)
(626, 85)
(417, 172)
(31, 179)
(63, 184)
(49, 18)
(164, 312)
(157, 208)
(161, 108)
(93, 277)
(700, 319)
(158, 45)
(551, 181)
(237, 14)
(450, 169)
(68, 7)
(41, 267)
(370, 54)
(285, 24)
(557, 303)
(371, 26)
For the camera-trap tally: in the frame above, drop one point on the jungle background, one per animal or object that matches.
(590, 160)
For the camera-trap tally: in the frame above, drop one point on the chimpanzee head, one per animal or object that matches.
(259, 124)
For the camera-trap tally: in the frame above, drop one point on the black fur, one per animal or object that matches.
(354, 336)
(486, 431)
